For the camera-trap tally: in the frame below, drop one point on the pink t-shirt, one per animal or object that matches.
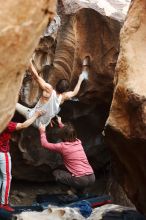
(73, 155)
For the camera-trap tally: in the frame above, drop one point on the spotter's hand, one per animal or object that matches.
(42, 127)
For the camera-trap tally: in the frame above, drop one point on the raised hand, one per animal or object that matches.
(84, 75)
(61, 125)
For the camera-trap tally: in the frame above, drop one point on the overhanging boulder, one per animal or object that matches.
(21, 24)
(126, 125)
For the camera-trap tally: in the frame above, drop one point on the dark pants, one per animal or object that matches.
(78, 183)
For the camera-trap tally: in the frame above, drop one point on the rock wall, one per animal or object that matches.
(21, 24)
(126, 125)
(85, 33)
(114, 9)
(74, 43)
(87, 30)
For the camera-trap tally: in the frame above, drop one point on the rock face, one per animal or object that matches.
(88, 29)
(74, 43)
(110, 8)
(85, 33)
(126, 125)
(79, 36)
(21, 24)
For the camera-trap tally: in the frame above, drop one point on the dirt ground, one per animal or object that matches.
(24, 193)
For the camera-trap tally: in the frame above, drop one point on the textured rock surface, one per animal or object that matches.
(88, 29)
(21, 24)
(87, 33)
(114, 9)
(126, 125)
(84, 33)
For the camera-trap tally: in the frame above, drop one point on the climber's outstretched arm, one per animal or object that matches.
(40, 80)
(70, 94)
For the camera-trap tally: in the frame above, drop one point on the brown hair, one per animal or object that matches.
(68, 133)
(62, 86)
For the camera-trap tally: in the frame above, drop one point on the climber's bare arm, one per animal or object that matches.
(29, 121)
(71, 94)
(45, 86)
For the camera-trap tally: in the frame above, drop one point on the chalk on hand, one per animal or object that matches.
(84, 75)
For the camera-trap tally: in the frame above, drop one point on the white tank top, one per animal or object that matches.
(52, 107)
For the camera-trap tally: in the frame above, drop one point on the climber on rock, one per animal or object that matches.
(79, 173)
(5, 158)
(51, 99)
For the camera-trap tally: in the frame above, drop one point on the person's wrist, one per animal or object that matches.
(61, 125)
(36, 115)
(41, 131)
(80, 78)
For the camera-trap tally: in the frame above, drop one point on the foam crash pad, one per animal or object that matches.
(65, 199)
(4, 215)
(34, 207)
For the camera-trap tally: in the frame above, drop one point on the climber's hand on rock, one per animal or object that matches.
(84, 75)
